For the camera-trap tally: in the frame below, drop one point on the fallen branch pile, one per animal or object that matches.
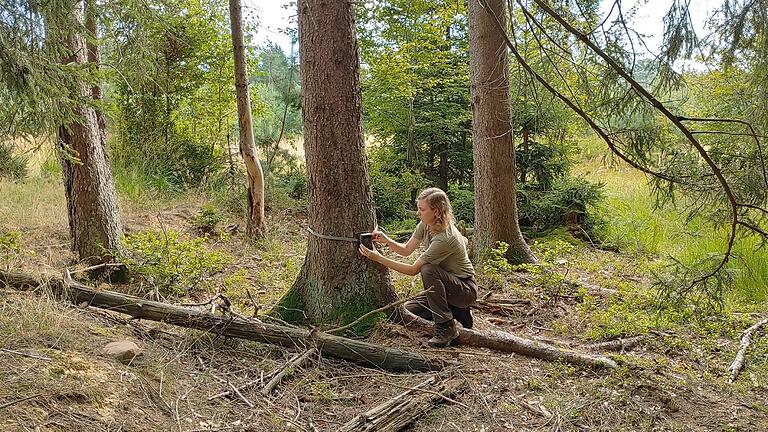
(401, 410)
(289, 336)
(365, 353)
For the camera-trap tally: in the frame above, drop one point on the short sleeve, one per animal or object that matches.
(438, 251)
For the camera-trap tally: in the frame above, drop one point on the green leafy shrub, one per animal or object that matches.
(288, 184)
(171, 262)
(207, 219)
(183, 162)
(10, 247)
(12, 166)
(568, 198)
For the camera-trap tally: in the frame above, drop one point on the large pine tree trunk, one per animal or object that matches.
(94, 219)
(335, 283)
(255, 223)
(493, 146)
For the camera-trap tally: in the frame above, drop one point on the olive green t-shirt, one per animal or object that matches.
(447, 249)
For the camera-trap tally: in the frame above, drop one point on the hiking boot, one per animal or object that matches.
(445, 333)
(463, 316)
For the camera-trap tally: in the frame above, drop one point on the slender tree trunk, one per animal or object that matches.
(255, 224)
(335, 283)
(94, 219)
(94, 57)
(493, 146)
(524, 168)
(410, 156)
(442, 169)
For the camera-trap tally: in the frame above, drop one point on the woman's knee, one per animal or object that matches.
(428, 270)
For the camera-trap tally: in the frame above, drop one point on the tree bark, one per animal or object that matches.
(335, 282)
(94, 57)
(493, 146)
(507, 342)
(255, 223)
(335, 346)
(94, 219)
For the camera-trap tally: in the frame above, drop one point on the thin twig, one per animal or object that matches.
(446, 398)
(237, 392)
(94, 267)
(206, 303)
(6, 405)
(25, 354)
(253, 302)
(296, 361)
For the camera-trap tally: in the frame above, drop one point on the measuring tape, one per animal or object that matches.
(363, 238)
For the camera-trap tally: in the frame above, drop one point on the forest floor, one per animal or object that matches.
(54, 377)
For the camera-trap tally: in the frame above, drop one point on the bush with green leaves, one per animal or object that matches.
(207, 218)
(568, 197)
(171, 262)
(10, 247)
(540, 210)
(12, 166)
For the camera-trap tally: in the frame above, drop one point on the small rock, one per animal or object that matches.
(124, 351)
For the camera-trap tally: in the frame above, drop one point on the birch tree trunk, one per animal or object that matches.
(335, 282)
(255, 224)
(493, 146)
(94, 220)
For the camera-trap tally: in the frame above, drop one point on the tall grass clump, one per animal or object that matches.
(634, 222)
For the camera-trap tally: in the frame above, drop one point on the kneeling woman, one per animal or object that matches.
(444, 266)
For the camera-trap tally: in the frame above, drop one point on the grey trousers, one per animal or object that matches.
(448, 291)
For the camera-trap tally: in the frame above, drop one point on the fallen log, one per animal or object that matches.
(741, 356)
(620, 344)
(361, 352)
(403, 409)
(507, 342)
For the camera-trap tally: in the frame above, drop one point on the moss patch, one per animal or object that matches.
(290, 307)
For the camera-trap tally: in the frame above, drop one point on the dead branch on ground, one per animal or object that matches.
(507, 342)
(330, 345)
(404, 408)
(295, 362)
(746, 339)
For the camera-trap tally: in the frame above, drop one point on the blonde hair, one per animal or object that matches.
(438, 201)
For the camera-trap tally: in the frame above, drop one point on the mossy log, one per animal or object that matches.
(507, 342)
(361, 352)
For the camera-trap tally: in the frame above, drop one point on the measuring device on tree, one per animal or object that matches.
(364, 238)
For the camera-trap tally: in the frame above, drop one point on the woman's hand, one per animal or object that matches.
(380, 237)
(371, 254)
